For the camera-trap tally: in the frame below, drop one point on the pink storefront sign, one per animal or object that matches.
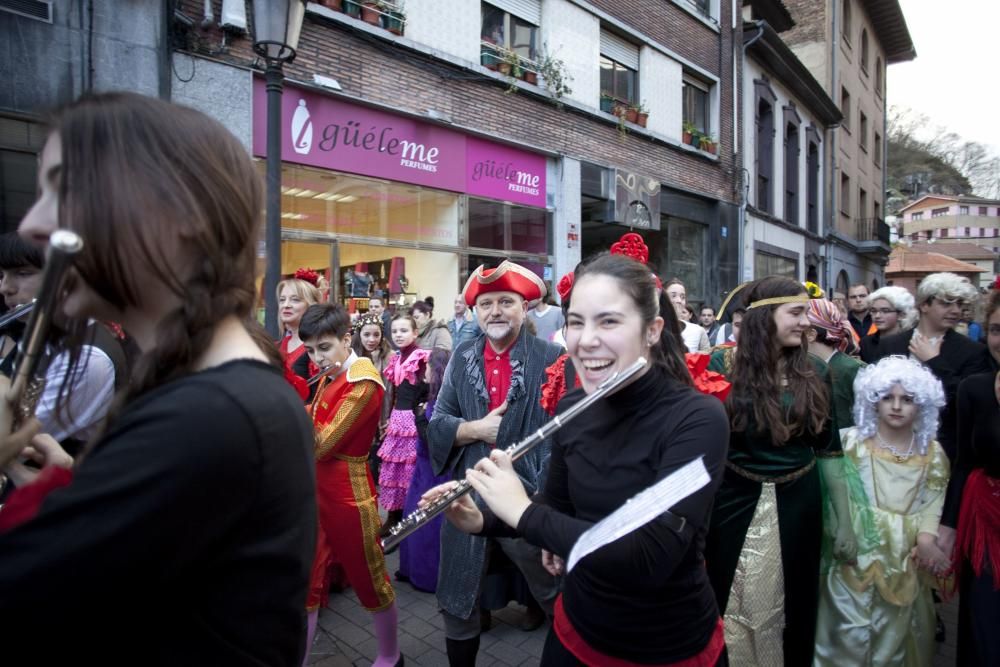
(324, 132)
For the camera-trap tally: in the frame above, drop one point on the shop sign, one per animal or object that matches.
(324, 132)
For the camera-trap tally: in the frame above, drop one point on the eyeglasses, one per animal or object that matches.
(884, 311)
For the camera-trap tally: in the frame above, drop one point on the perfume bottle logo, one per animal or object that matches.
(302, 129)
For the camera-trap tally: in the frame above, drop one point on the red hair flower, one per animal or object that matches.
(631, 245)
(706, 381)
(555, 385)
(996, 283)
(307, 275)
(565, 285)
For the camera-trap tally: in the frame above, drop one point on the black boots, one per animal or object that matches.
(462, 652)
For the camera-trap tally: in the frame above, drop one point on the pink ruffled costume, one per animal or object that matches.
(399, 447)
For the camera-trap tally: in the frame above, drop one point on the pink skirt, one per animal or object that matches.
(399, 455)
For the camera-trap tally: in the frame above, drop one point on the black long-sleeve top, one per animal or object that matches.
(645, 597)
(978, 416)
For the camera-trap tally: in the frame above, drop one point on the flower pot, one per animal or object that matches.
(394, 22)
(370, 13)
(336, 5)
(641, 118)
(531, 77)
(607, 105)
(620, 110)
(632, 115)
(352, 8)
(687, 138)
(488, 57)
(504, 68)
(712, 147)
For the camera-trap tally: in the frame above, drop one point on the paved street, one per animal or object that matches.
(345, 638)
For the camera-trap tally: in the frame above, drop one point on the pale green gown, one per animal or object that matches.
(880, 611)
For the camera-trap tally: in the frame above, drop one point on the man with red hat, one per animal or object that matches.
(489, 398)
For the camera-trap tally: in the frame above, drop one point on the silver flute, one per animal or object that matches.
(421, 516)
(16, 312)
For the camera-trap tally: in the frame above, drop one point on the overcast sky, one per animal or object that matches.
(953, 79)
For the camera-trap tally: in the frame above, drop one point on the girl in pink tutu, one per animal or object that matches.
(406, 370)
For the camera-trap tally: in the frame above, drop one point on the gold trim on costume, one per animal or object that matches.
(766, 479)
(357, 472)
(798, 298)
(754, 620)
(354, 402)
(364, 369)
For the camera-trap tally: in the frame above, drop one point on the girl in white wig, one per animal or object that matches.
(879, 610)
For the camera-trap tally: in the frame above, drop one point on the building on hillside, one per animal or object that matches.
(787, 117)
(847, 45)
(961, 219)
(907, 267)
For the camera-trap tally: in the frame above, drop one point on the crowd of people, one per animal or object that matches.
(193, 491)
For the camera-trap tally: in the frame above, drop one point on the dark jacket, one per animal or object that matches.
(959, 358)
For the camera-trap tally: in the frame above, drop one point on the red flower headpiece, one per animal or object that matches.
(631, 245)
(565, 286)
(996, 283)
(308, 275)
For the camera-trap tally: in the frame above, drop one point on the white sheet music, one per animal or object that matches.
(641, 509)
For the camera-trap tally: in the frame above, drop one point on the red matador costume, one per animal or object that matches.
(345, 415)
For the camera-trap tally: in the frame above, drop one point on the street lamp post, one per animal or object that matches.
(277, 25)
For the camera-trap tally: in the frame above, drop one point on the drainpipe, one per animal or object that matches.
(830, 165)
(741, 163)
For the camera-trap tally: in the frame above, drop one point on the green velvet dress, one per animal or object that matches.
(843, 369)
(763, 547)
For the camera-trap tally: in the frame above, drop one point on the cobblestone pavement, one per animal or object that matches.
(344, 637)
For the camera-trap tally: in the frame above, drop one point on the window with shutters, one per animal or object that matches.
(764, 144)
(619, 71)
(512, 25)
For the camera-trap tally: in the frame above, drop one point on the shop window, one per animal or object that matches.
(20, 143)
(619, 71)
(509, 31)
(507, 227)
(766, 264)
(686, 250)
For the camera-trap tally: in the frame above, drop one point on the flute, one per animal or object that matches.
(422, 516)
(16, 312)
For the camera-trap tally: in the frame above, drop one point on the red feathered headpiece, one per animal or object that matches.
(307, 275)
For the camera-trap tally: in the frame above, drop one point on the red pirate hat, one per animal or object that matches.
(508, 277)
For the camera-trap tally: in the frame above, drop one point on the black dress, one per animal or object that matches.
(978, 417)
(185, 538)
(645, 597)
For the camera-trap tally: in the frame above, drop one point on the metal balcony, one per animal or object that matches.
(872, 236)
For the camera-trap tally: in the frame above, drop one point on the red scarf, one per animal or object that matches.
(979, 526)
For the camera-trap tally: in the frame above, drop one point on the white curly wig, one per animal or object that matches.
(875, 381)
(901, 300)
(947, 286)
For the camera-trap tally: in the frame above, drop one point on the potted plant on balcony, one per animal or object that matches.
(489, 56)
(607, 104)
(352, 8)
(371, 11)
(688, 133)
(707, 143)
(641, 114)
(394, 17)
(554, 75)
(336, 5)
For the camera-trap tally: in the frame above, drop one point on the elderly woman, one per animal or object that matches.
(893, 312)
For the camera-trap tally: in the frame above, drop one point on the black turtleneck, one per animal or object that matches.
(645, 597)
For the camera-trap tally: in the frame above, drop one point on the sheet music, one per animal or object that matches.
(641, 509)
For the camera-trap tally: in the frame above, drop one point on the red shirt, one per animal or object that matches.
(498, 374)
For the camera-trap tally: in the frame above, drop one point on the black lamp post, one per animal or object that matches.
(277, 24)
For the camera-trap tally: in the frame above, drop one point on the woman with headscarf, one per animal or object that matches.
(830, 339)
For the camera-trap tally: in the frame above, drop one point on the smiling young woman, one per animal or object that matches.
(768, 510)
(644, 598)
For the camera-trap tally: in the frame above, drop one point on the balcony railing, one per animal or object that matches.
(871, 229)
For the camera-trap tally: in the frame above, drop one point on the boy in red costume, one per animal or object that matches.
(345, 414)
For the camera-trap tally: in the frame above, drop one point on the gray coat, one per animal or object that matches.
(463, 397)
